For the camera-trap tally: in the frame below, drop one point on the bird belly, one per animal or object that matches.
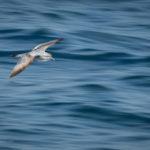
(42, 58)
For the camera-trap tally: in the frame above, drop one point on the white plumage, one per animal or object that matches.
(37, 53)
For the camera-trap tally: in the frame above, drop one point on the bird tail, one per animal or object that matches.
(14, 55)
(18, 55)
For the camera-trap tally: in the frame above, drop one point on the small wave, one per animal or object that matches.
(21, 131)
(52, 15)
(6, 31)
(24, 37)
(94, 57)
(94, 87)
(9, 53)
(136, 77)
(137, 80)
(105, 114)
(20, 34)
(114, 38)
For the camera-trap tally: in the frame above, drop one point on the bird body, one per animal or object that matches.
(37, 53)
(44, 57)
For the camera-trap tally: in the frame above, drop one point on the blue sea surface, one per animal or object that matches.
(95, 95)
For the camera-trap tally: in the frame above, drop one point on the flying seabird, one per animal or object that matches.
(37, 53)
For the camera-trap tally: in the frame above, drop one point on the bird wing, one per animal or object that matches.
(44, 46)
(23, 63)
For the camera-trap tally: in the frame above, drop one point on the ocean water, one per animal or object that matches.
(95, 95)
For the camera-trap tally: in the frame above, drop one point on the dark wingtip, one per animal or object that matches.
(10, 76)
(60, 39)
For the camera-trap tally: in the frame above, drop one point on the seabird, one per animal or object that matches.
(36, 53)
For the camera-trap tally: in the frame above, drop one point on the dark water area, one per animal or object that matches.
(95, 95)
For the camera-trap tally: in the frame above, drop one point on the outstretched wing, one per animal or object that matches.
(44, 46)
(23, 63)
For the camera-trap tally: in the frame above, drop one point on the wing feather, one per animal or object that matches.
(44, 46)
(22, 64)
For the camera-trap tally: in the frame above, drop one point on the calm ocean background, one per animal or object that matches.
(95, 95)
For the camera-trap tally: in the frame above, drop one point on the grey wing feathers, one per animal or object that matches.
(44, 46)
(22, 64)
(27, 58)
